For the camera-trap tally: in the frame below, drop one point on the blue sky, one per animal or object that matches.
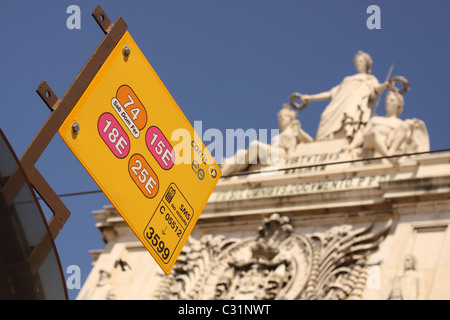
(230, 64)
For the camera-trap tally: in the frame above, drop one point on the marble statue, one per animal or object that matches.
(389, 135)
(410, 285)
(349, 116)
(354, 97)
(281, 146)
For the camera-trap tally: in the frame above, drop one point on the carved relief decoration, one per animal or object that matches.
(276, 264)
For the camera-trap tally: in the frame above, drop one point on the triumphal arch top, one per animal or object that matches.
(360, 210)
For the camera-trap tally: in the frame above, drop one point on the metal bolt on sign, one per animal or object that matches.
(75, 128)
(126, 51)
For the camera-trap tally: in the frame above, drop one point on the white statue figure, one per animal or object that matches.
(410, 285)
(389, 135)
(354, 97)
(280, 147)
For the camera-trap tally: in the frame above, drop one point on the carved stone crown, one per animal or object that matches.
(274, 230)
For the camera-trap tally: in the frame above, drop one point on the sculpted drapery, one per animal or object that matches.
(352, 96)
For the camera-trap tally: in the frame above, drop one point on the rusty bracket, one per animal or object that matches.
(48, 96)
(60, 110)
(102, 19)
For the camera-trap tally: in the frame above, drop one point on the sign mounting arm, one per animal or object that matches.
(60, 110)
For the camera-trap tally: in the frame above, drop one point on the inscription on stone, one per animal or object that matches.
(304, 187)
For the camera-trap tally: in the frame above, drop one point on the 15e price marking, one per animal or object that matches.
(160, 147)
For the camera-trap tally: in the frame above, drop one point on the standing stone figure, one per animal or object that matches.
(411, 285)
(354, 97)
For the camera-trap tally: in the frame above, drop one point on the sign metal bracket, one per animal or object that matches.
(60, 109)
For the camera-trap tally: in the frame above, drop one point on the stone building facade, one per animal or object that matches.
(325, 234)
(363, 213)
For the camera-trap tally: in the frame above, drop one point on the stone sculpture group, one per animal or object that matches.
(349, 115)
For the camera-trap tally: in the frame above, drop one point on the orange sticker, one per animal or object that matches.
(143, 175)
(132, 105)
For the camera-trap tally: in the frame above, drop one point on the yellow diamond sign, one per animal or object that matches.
(138, 146)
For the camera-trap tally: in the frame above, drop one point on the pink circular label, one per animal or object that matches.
(160, 148)
(113, 135)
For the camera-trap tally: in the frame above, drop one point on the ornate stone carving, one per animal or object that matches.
(276, 264)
